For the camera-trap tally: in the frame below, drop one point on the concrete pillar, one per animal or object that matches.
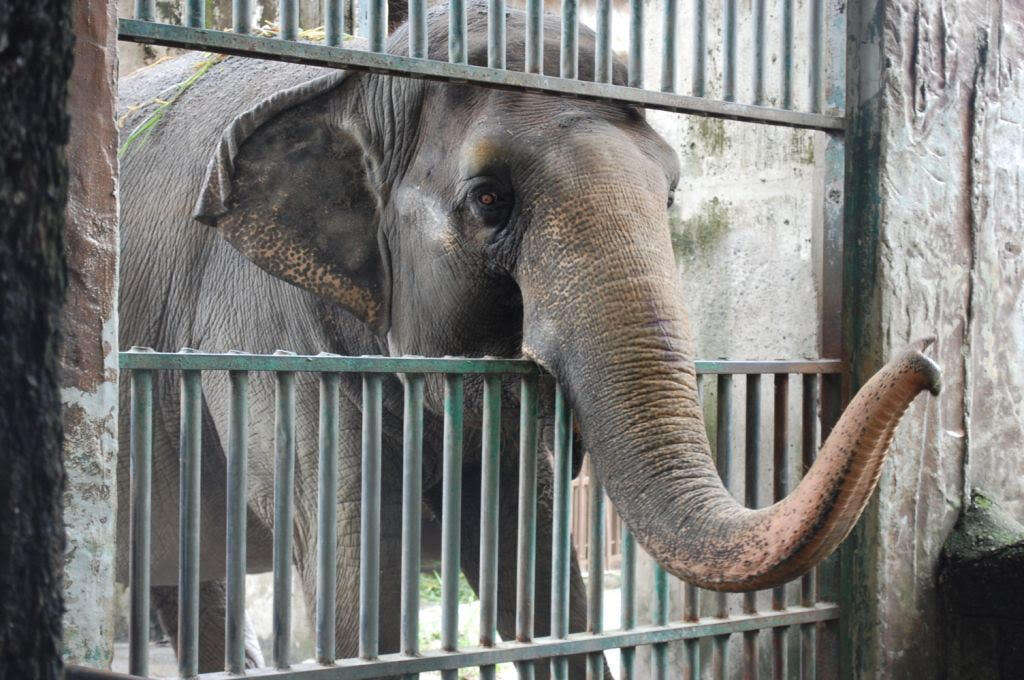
(89, 351)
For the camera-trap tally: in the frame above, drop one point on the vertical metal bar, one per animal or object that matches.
(457, 53)
(489, 490)
(758, 52)
(495, 33)
(327, 519)
(145, 10)
(729, 50)
(451, 517)
(561, 547)
(669, 51)
(808, 584)
(603, 51)
(418, 29)
(140, 476)
(237, 506)
(659, 617)
(723, 461)
(627, 606)
(188, 554)
(595, 569)
(534, 37)
(635, 77)
(699, 45)
(569, 63)
(241, 15)
(691, 601)
(334, 22)
(288, 15)
(526, 543)
(412, 504)
(787, 53)
(284, 492)
(752, 469)
(814, 58)
(377, 24)
(195, 13)
(369, 529)
(780, 484)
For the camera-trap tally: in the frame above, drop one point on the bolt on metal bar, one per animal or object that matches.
(752, 493)
(787, 54)
(145, 10)
(699, 45)
(288, 15)
(334, 22)
(780, 486)
(490, 463)
(659, 617)
(495, 33)
(627, 607)
(241, 15)
(569, 56)
(195, 13)
(814, 57)
(369, 525)
(635, 73)
(729, 50)
(526, 542)
(451, 516)
(535, 36)
(190, 453)
(141, 473)
(561, 548)
(723, 461)
(284, 504)
(669, 52)
(377, 24)
(808, 584)
(603, 49)
(595, 569)
(457, 52)
(758, 52)
(237, 506)
(412, 504)
(327, 519)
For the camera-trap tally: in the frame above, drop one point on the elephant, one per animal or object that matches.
(277, 206)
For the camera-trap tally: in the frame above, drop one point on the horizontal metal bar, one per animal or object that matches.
(340, 364)
(340, 57)
(577, 643)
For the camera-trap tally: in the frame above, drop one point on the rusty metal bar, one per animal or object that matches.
(752, 484)
(780, 487)
(808, 584)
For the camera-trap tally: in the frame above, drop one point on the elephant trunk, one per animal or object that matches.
(614, 333)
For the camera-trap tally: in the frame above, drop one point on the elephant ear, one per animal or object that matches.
(291, 186)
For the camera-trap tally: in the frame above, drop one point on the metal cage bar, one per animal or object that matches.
(561, 549)
(327, 518)
(526, 542)
(412, 502)
(237, 506)
(723, 461)
(190, 453)
(141, 474)
(451, 517)
(369, 525)
(751, 498)
(780, 487)
(490, 463)
(284, 503)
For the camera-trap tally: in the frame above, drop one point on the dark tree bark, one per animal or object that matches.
(35, 63)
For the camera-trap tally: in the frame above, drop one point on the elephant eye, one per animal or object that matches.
(490, 204)
(488, 198)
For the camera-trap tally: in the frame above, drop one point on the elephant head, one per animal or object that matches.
(459, 220)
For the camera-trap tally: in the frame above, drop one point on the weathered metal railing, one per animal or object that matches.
(410, 660)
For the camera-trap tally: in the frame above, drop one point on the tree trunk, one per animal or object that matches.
(35, 62)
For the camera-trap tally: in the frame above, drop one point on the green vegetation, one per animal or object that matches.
(700, 232)
(430, 589)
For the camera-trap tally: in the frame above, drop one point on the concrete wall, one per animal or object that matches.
(89, 351)
(934, 244)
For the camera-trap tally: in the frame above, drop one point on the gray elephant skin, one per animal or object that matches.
(279, 206)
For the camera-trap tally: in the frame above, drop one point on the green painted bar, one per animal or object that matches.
(814, 58)
(780, 487)
(691, 595)
(334, 22)
(284, 504)
(808, 584)
(412, 511)
(418, 29)
(729, 50)
(145, 10)
(495, 33)
(190, 455)
(237, 507)
(490, 464)
(669, 48)
(457, 52)
(659, 617)
(451, 517)
(526, 537)
(757, 54)
(627, 607)
(141, 462)
(595, 571)
(752, 484)
(569, 54)
(699, 45)
(241, 15)
(723, 461)
(369, 524)
(327, 518)
(561, 549)
(603, 49)
(786, 60)
(635, 74)
(288, 15)
(195, 13)
(535, 37)
(377, 24)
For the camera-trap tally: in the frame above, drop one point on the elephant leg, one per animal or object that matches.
(211, 625)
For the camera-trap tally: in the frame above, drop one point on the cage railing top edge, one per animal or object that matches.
(264, 47)
(136, 359)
